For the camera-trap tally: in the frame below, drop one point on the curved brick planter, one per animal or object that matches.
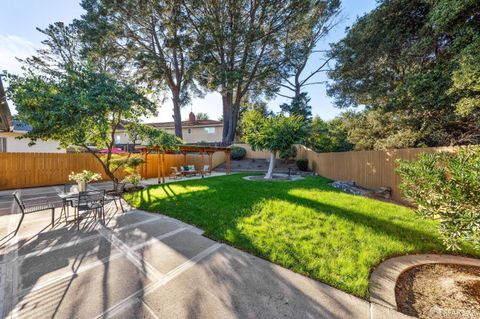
(384, 277)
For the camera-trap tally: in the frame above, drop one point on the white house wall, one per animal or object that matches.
(21, 145)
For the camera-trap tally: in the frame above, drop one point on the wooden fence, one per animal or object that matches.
(18, 170)
(258, 154)
(369, 169)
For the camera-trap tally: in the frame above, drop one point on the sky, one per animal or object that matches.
(19, 39)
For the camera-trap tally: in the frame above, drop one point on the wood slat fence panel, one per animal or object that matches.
(19, 170)
(369, 169)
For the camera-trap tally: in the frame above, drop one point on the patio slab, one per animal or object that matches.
(232, 284)
(171, 252)
(83, 295)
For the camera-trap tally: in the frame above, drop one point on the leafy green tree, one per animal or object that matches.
(239, 48)
(256, 105)
(153, 35)
(299, 106)
(380, 130)
(328, 136)
(80, 107)
(276, 133)
(151, 136)
(411, 63)
(202, 116)
(445, 186)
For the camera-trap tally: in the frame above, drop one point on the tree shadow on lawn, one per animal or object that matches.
(190, 206)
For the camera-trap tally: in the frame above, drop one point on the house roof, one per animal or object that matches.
(6, 121)
(187, 124)
(21, 126)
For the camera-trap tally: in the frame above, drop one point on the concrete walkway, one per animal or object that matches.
(142, 265)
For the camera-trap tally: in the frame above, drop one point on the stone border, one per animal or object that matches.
(384, 278)
(293, 178)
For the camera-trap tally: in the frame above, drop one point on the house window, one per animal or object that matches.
(189, 131)
(210, 130)
(3, 144)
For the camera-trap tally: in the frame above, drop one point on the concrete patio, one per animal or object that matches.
(142, 265)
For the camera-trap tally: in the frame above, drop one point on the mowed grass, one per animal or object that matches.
(305, 225)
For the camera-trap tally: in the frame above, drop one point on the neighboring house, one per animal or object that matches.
(11, 129)
(195, 131)
(9, 142)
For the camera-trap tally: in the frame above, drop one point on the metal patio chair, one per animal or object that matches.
(69, 202)
(116, 194)
(90, 201)
(33, 205)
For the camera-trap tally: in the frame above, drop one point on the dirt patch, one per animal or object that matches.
(439, 291)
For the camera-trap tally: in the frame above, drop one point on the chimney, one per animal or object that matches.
(191, 118)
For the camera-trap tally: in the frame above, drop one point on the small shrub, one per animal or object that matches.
(288, 153)
(129, 163)
(446, 186)
(133, 179)
(238, 153)
(302, 164)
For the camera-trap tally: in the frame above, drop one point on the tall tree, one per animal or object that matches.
(155, 35)
(410, 62)
(239, 48)
(300, 47)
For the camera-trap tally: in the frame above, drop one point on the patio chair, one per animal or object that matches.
(206, 170)
(67, 189)
(116, 194)
(32, 206)
(174, 173)
(91, 201)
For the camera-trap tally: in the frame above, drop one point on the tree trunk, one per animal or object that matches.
(271, 166)
(230, 119)
(227, 117)
(177, 116)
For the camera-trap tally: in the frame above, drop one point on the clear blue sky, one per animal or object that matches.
(19, 38)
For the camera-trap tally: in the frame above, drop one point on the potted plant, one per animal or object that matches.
(83, 178)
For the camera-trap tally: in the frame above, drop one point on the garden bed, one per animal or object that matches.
(439, 291)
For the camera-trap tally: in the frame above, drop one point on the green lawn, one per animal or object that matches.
(305, 225)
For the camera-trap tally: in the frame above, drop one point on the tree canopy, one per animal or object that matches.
(274, 133)
(328, 136)
(154, 37)
(80, 107)
(239, 48)
(414, 65)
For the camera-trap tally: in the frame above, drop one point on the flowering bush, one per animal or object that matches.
(85, 176)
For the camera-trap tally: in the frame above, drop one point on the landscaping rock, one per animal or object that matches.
(350, 187)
